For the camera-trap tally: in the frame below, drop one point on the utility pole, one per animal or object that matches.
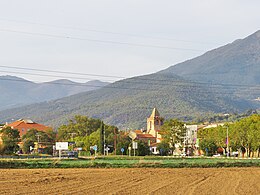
(104, 140)
(227, 144)
(38, 141)
(72, 136)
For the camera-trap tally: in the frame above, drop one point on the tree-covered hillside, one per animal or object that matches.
(235, 63)
(129, 102)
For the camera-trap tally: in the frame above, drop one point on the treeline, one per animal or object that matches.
(242, 136)
(88, 132)
(230, 117)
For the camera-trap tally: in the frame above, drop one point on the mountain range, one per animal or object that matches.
(223, 80)
(234, 63)
(17, 92)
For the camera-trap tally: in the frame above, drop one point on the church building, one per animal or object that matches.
(152, 134)
(154, 123)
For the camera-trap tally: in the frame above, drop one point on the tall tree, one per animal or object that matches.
(34, 135)
(101, 138)
(173, 132)
(10, 138)
(80, 126)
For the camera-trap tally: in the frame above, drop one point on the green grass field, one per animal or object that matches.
(129, 162)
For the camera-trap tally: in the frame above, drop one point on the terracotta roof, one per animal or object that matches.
(138, 131)
(24, 125)
(30, 126)
(153, 145)
(15, 124)
(145, 136)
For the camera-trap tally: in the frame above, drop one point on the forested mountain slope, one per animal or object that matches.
(236, 63)
(129, 102)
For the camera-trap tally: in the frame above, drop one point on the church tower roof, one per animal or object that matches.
(155, 113)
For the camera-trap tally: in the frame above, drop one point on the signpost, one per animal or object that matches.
(129, 150)
(61, 146)
(122, 150)
(134, 146)
(95, 149)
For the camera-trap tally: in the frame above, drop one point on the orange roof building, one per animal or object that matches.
(152, 134)
(24, 125)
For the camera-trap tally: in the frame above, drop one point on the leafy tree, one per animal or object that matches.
(87, 132)
(208, 146)
(164, 148)
(10, 138)
(32, 136)
(80, 125)
(142, 148)
(173, 132)
(247, 134)
(244, 135)
(123, 141)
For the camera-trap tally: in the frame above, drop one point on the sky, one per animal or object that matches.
(113, 39)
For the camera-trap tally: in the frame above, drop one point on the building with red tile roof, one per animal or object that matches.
(152, 135)
(24, 125)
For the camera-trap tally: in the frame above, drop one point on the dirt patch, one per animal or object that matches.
(130, 181)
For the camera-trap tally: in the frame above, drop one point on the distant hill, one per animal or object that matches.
(17, 92)
(186, 91)
(127, 103)
(236, 63)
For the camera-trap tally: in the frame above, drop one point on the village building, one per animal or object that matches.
(154, 123)
(24, 125)
(152, 135)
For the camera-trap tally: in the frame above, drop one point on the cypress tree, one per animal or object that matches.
(101, 138)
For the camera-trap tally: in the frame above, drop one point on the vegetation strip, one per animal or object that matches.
(128, 163)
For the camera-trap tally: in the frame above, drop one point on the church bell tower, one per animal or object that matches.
(154, 123)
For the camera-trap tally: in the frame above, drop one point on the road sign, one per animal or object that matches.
(134, 145)
(62, 146)
(122, 150)
(31, 148)
(95, 147)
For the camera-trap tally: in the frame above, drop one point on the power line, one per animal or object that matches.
(63, 72)
(55, 76)
(101, 41)
(119, 77)
(169, 83)
(195, 88)
(106, 32)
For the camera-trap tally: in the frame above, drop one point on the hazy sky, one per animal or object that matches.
(122, 38)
